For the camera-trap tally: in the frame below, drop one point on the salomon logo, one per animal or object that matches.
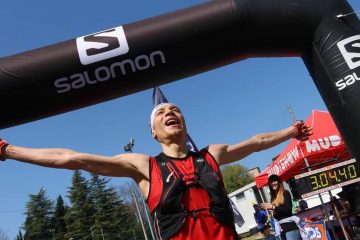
(347, 81)
(102, 45)
(350, 49)
(116, 70)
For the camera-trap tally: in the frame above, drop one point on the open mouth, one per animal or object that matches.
(172, 122)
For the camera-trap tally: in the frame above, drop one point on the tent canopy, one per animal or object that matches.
(326, 143)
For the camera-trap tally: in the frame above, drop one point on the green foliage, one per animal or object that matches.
(96, 212)
(110, 213)
(235, 176)
(113, 215)
(19, 236)
(79, 218)
(58, 219)
(38, 217)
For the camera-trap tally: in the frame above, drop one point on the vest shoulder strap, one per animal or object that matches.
(167, 167)
(201, 163)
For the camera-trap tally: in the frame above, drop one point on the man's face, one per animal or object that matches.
(168, 121)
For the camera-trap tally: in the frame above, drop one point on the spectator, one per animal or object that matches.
(261, 218)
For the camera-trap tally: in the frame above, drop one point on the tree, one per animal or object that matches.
(96, 211)
(3, 236)
(133, 217)
(235, 176)
(38, 217)
(19, 236)
(112, 219)
(79, 217)
(58, 220)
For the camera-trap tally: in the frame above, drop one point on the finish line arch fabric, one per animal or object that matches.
(140, 55)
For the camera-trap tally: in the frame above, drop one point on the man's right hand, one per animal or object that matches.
(3, 145)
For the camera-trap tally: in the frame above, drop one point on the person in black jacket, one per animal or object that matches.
(281, 205)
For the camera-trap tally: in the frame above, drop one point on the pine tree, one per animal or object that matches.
(79, 217)
(58, 220)
(19, 236)
(38, 217)
(111, 217)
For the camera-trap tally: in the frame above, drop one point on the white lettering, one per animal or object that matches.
(322, 143)
(158, 53)
(122, 67)
(313, 232)
(295, 153)
(146, 62)
(105, 73)
(318, 233)
(335, 140)
(62, 85)
(88, 80)
(286, 161)
(347, 81)
(312, 147)
(79, 81)
(340, 84)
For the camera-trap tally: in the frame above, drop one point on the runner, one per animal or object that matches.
(184, 190)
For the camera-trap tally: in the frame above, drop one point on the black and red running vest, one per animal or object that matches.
(168, 212)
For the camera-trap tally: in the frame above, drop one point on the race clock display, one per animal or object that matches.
(327, 178)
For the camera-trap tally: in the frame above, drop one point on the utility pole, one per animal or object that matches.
(139, 214)
(52, 231)
(128, 148)
(102, 234)
(148, 218)
(92, 233)
(134, 234)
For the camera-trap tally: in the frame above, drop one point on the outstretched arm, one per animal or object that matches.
(125, 165)
(224, 153)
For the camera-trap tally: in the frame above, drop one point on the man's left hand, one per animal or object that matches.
(303, 131)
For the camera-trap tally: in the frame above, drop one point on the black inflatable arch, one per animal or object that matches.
(148, 53)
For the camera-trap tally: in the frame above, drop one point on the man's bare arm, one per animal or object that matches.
(224, 153)
(124, 165)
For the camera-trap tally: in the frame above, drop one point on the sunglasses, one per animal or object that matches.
(274, 183)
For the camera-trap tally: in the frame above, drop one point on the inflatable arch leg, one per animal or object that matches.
(335, 67)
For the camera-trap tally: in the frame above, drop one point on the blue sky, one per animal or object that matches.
(226, 105)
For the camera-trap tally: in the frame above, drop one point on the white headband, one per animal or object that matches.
(152, 116)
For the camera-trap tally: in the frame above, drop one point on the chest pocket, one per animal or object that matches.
(173, 186)
(213, 184)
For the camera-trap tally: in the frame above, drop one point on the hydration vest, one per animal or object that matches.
(169, 214)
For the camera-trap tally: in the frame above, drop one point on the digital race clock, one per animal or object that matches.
(327, 178)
